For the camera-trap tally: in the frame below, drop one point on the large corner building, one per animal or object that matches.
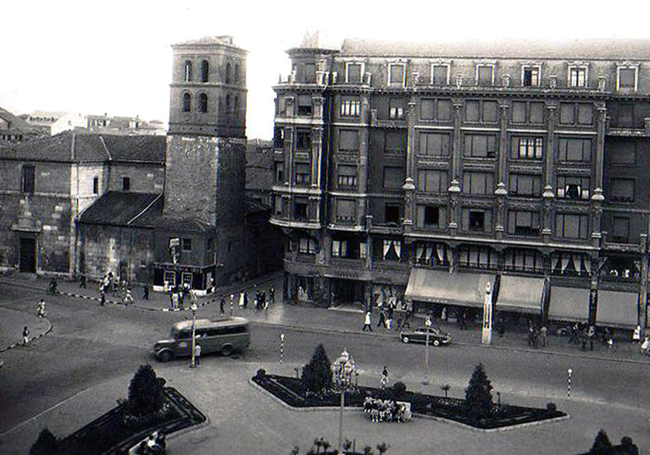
(425, 171)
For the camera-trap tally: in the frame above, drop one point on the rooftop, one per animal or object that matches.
(118, 208)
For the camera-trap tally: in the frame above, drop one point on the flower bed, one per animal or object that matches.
(290, 392)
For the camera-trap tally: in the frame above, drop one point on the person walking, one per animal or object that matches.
(382, 318)
(645, 345)
(222, 303)
(102, 299)
(366, 322)
(197, 354)
(383, 383)
(128, 298)
(82, 283)
(25, 336)
(272, 295)
(145, 292)
(40, 309)
(543, 332)
(245, 299)
(636, 335)
(175, 300)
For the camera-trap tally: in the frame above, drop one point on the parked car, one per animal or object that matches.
(436, 336)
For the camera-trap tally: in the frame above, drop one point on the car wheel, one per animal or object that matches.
(405, 339)
(227, 350)
(436, 343)
(166, 356)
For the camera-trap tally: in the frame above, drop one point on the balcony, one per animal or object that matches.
(320, 79)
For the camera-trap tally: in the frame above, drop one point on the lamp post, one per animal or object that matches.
(427, 324)
(343, 370)
(193, 308)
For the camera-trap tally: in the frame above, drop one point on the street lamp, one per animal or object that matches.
(343, 369)
(427, 324)
(193, 308)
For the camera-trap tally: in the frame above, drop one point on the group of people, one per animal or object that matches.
(536, 336)
(260, 299)
(179, 294)
(109, 283)
(583, 334)
(392, 311)
(386, 410)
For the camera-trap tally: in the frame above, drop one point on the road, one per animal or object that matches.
(92, 345)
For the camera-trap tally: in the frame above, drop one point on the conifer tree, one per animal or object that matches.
(602, 445)
(317, 374)
(46, 443)
(146, 392)
(478, 394)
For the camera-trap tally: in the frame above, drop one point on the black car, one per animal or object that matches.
(436, 336)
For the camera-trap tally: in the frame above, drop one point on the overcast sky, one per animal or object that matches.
(114, 57)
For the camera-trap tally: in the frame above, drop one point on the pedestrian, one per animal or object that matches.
(443, 314)
(145, 292)
(543, 332)
(382, 318)
(530, 335)
(222, 303)
(102, 300)
(575, 334)
(128, 298)
(40, 309)
(245, 299)
(82, 284)
(197, 354)
(272, 295)
(25, 336)
(636, 335)
(645, 345)
(463, 320)
(232, 302)
(241, 300)
(366, 322)
(175, 300)
(383, 383)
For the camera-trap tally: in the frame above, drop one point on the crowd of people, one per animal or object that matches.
(386, 410)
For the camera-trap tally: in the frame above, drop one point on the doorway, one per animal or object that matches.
(27, 255)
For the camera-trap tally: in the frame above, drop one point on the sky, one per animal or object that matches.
(115, 57)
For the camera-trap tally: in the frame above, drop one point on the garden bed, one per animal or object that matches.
(106, 435)
(289, 390)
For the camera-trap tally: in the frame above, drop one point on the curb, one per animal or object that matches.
(18, 343)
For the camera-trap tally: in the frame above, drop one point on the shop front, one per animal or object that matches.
(200, 279)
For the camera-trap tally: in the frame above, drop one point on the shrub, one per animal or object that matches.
(551, 406)
(399, 391)
(478, 395)
(46, 443)
(628, 447)
(602, 445)
(317, 374)
(146, 392)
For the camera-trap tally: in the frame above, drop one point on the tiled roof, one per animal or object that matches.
(90, 147)
(187, 224)
(124, 209)
(608, 49)
(16, 122)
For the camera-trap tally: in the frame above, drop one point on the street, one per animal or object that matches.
(99, 348)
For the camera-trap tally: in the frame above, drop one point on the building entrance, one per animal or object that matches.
(27, 255)
(348, 291)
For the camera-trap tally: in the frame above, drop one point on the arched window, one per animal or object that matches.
(187, 75)
(228, 105)
(187, 102)
(203, 103)
(236, 105)
(236, 73)
(205, 71)
(227, 73)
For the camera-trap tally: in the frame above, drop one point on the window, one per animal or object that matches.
(396, 108)
(393, 178)
(481, 111)
(623, 153)
(228, 104)
(237, 74)
(339, 248)
(203, 103)
(353, 73)
(187, 244)
(205, 71)
(476, 220)
(303, 139)
(302, 173)
(187, 71)
(577, 150)
(236, 106)
(279, 171)
(576, 113)
(395, 142)
(530, 148)
(347, 175)
(571, 226)
(278, 138)
(480, 183)
(304, 105)
(228, 73)
(621, 229)
(523, 223)
(624, 116)
(28, 178)
(96, 185)
(574, 188)
(126, 184)
(350, 106)
(391, 213)
(187, 102)
(346, 210)
(524, 260)
(477, 257)
(429, 217)
(528, 112)
(626, 79)
(621, 190)
(435, 109)
(530, 76)
(307, 245)
(277, 205)
(480, 146)
(309, 75)
(485, 75)
(577, 76)
(439, 74)
(435, 144)
(432, 181)
(349, 140)
(396, 74)
(300, 208)
(525, 185)
(391, 250)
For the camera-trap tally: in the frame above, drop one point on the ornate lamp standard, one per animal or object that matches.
(427, 325)
(193, 308)
(343, 369)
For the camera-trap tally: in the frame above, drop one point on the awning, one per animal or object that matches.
(569, 304)
(520, 294)
(440, 286)
(617, 309)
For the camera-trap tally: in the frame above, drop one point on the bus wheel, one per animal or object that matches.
(227, 350)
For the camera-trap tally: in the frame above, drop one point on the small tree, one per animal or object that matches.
(478, 394)
(628, 447)
(382, 448)
(146, 392)
(46, 443)
(399, 391)
(317, 374)
(445, 388)
(602, 445)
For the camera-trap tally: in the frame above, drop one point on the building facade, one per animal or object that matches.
(425, 171)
